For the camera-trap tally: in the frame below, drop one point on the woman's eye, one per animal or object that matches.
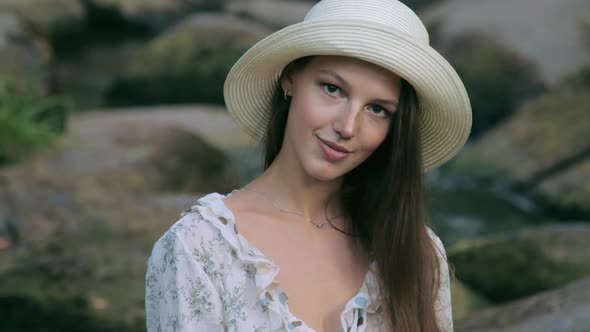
(380, 111)
(330, 88)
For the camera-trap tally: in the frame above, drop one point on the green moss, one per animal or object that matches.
(496, 78)
(61, 276)
(192, 74)
(509, 270)
(23, 313)
(465, 300)
(468, 164)
(186, 64)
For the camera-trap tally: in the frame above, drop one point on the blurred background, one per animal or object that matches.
(112, 122)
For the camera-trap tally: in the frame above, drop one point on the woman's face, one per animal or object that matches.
(340, 112)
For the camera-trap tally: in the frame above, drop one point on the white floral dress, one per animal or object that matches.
(204, 276)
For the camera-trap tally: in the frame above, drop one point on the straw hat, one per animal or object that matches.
(383, 32)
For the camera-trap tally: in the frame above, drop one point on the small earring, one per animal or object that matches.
(285, 95)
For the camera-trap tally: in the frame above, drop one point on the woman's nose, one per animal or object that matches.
(346, 121)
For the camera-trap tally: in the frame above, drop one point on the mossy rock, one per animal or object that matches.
(542, 147)
(497, 79)
(87, 274)
(570, 188)
(562, 309)
(100, 25)
(556, 46)
(464, 300)
(25, 53)
(45, 13)
(513, 265)
(165, 159)
(273, 13)
(162, 13)
(187, 63)
(69, 314)
(184, 162)
(585, 23)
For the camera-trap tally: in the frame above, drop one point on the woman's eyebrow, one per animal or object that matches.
(335, 75)
(343, 82)
(385, 101)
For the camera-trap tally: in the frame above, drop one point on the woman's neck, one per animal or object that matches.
(295, 190)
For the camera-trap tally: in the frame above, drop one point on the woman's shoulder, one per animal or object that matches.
(436, 240)
(199, 230)
(443, 307)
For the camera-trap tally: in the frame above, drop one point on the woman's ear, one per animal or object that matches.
(287, 83)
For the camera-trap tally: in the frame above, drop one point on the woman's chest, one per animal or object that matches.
(319, 274)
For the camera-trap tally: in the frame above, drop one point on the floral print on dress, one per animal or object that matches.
(203, 275)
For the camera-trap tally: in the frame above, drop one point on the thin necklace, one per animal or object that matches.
(271, 201)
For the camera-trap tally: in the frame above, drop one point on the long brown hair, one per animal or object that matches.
(384, 200)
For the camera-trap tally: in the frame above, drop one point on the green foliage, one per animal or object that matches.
(497, 79)
(510, 270)
(27, 122)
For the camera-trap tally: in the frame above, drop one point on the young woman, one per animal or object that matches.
(352, 106)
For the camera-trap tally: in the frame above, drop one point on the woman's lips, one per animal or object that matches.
(332, 150)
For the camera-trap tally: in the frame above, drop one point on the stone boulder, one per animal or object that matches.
(520, 25)
(45, 13)
(141, 154)
(188, 62)
(25, 54)
(543, 147)
(464, 300)
(159, 14)
(564, 309)
(275, 14)
(512, 265)
(121, 152)
(88, 210)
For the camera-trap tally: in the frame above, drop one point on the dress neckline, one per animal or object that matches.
(271, 294)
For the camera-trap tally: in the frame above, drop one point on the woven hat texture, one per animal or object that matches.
(383, 32)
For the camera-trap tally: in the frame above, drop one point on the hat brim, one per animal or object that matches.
(445, 120)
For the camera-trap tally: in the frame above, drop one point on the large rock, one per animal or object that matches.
(546, 31)
(276, 14)
(45, 13)
(188, 62)
(127, 152)
(25, 54)
(464, 300)
(543, 147)
(88, 211)
(565, 309)
(150, 151)
(517, 264)
(159, 14)
(498, 79)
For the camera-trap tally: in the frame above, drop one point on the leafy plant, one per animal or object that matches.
(27, 121)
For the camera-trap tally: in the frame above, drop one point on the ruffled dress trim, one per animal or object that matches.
(271, 294)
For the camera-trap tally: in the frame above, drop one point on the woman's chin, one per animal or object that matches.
(326, 173)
